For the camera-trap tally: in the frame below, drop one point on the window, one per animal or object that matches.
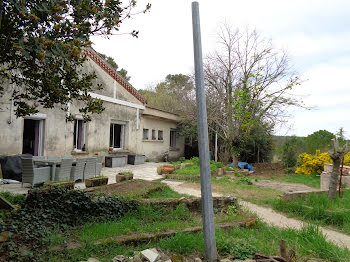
(116, 135)
(160, 134)
(145, 134)
(154, 134)
(79, 135)
(172, 138)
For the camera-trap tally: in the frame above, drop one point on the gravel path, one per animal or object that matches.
(283, 186)
(266, 214)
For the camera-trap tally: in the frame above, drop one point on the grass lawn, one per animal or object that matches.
(243, 188)
(166, 192)
(318, 209)
(194, 169)
(237, 242)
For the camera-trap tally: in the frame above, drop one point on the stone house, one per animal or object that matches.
(127, 125)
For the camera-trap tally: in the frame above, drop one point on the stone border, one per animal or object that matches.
(289, 196)
(181, 177)
(146, 237)
(193, 204)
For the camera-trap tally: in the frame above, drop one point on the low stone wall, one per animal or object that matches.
(193, 204)
(325, 177)
(328, 168)
(289, 196)
(181, 177)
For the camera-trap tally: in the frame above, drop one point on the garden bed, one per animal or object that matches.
(131, 188)
(316, 208)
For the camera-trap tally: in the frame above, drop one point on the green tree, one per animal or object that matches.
(172, 95)
(42, 44)
(290, 150)
(248, 83)
(110, 60)
(318, 140)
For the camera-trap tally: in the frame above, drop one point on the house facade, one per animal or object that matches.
(126, 126)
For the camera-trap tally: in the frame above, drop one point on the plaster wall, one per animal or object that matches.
(155, 149)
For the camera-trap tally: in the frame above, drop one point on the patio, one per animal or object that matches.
(146, 171)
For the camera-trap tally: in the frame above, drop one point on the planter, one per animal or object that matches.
(122, 177)
(96, 181)
(168, 169)
(159, 170)
(115, 161)
(66, 184)
(134, 159)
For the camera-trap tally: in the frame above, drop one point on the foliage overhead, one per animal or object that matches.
(42, 49)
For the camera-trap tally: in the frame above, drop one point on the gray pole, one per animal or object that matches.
(203, 144)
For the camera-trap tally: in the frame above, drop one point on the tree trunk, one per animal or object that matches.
(333, 181)
(234, 160)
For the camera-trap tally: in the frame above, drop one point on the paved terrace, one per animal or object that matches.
(146, 171)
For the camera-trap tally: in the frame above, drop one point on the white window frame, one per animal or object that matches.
(76, 135)
(174, 138)
(122, 131)
(143, 133)
(162, 137)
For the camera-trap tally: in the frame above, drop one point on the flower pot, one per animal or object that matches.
(169, 169)
(122, 177)
(96, 181)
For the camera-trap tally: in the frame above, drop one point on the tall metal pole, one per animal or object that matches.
(203, 144)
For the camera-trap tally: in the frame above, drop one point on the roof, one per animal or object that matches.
(92, 54)
(160, 114)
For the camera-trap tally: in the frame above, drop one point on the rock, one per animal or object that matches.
(225, 260)
(197, 259)
(159, 170)
(120, 259)
(150, 254)
(177, 258)
(246, 260)
(4, 236)
(136, 258)
(91, 259)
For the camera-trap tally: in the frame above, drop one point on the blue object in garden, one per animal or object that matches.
(229, 165)
(244, 165)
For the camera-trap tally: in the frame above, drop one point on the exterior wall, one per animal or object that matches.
(155, 149)
(58, 134)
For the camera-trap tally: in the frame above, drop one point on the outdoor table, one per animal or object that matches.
(53, 163)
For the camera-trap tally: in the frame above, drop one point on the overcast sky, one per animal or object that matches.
(315, 33)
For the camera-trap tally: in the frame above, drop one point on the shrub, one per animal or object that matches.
(310, 164)
(59, 208)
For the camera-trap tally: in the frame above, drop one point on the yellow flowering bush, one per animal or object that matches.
(347, 159)
(310, 164)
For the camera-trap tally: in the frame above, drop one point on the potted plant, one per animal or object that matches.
(124, 175)
(110, 149)
(167, 169)
(96, 181)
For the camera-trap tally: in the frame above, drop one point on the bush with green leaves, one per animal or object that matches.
(59, 208)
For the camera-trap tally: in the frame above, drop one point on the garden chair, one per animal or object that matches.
(77, 172)
(64, 170)
(99, 165)
(34, 175)
(90, 167)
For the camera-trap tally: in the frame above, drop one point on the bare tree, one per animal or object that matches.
(247, 83)
(337, 155)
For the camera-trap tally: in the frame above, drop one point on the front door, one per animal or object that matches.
(32, 137)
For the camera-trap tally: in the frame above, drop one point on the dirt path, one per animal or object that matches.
(283, 186)
(266, 214)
